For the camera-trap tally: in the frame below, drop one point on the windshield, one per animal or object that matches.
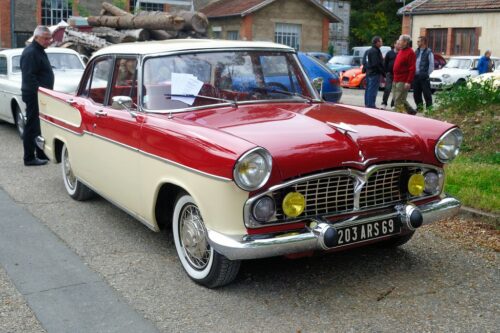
(197, 79)
(341, 60)
(459, 63)
(58, 61)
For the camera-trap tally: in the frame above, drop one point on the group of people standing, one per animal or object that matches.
(402, 69)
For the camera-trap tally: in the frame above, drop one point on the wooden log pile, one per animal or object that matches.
(115, 25)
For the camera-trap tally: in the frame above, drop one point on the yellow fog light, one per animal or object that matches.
(416, 184)
(293, 204)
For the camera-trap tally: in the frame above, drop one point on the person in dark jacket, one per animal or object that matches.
(389, 59)
(36, 72)
(373, 66)
(423, 69)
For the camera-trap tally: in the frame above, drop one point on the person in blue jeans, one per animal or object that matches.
(373, 66)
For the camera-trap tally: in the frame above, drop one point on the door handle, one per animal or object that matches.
(101, 113)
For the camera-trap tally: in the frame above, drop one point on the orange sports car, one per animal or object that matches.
(353, 78)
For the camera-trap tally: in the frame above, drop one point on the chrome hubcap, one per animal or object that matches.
(20, 122)
(193, 237)
(70, 177)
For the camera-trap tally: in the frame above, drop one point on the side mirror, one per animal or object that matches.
(318, 85)
(123, 103)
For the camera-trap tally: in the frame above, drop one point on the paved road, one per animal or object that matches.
(430, 284)
(357, 97)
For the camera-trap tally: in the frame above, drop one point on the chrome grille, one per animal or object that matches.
(323, 196)
(382, 188)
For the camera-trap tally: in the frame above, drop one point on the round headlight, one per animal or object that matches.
(293, 204)
(432, 184)
(416, 184)
(264, 209)
(448, 145)
(252, 170)
(446, 76)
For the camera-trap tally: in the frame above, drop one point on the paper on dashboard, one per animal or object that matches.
(185, 84)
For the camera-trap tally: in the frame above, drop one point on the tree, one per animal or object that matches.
(374, 18)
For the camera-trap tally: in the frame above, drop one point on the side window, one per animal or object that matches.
(3, 66)
(125, 78)
(100, 79)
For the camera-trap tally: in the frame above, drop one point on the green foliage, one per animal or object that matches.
(469, 97)
(374, 18)
(82, 10)
(120, 4)
(475, 181)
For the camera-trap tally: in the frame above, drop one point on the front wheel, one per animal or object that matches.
(201, 262)
(74, 187)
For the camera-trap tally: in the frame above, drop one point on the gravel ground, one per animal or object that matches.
(432, 284)
(15, 315)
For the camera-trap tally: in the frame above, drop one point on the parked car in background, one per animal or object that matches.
(260, 171)
(68, 69)
(457, 71)
(355, 78)
(331, 90)
(321, 56)
(341, 64)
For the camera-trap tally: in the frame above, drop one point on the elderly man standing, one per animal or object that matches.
(424, 68)
(404, 72)
(36, 72)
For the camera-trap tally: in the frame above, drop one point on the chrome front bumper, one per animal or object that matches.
(313, 238)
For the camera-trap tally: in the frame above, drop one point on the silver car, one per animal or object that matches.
(68, 68)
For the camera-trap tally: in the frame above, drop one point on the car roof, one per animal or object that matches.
(185, 45)
(18, 51)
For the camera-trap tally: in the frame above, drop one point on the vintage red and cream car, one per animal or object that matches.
(199, 136)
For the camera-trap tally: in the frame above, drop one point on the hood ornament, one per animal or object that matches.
(342, 127)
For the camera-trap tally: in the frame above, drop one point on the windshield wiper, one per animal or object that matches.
(233, 103)
(288, 93)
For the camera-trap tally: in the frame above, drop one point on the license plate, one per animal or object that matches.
(366, 231)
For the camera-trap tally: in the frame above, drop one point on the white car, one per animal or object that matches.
(457, 70)
(68, 69)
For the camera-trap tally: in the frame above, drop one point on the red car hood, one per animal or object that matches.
(310, 138)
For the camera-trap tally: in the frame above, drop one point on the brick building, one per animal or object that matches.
(301, 24)
(454, 27)
(18, 18)
(339, 32)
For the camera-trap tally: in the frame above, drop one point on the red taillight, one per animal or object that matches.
(335, 82)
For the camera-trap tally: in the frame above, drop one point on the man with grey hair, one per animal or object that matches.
(404, 72)
(36, 72)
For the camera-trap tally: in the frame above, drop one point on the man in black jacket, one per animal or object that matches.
(373, 66)
(389, 59)
(36, 72)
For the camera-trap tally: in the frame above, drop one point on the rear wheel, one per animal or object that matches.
(201, 262)
(20, 121)
(74, 187)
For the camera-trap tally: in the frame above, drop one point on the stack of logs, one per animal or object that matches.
(115, 25)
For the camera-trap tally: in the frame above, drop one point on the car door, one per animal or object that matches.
(115, 132)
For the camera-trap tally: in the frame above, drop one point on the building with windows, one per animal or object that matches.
(301, 24)
(339, 31)
(18, 18)
(454, 27)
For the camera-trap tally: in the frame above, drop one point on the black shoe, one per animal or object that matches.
(35, 162)
(411, 111)
(41, 155)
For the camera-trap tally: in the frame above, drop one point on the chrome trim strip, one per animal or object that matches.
(61, 127)
(360, 177)
(240, 247)
(162, 159)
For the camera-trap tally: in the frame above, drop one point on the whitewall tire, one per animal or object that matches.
(74, 187)
(201, 262)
